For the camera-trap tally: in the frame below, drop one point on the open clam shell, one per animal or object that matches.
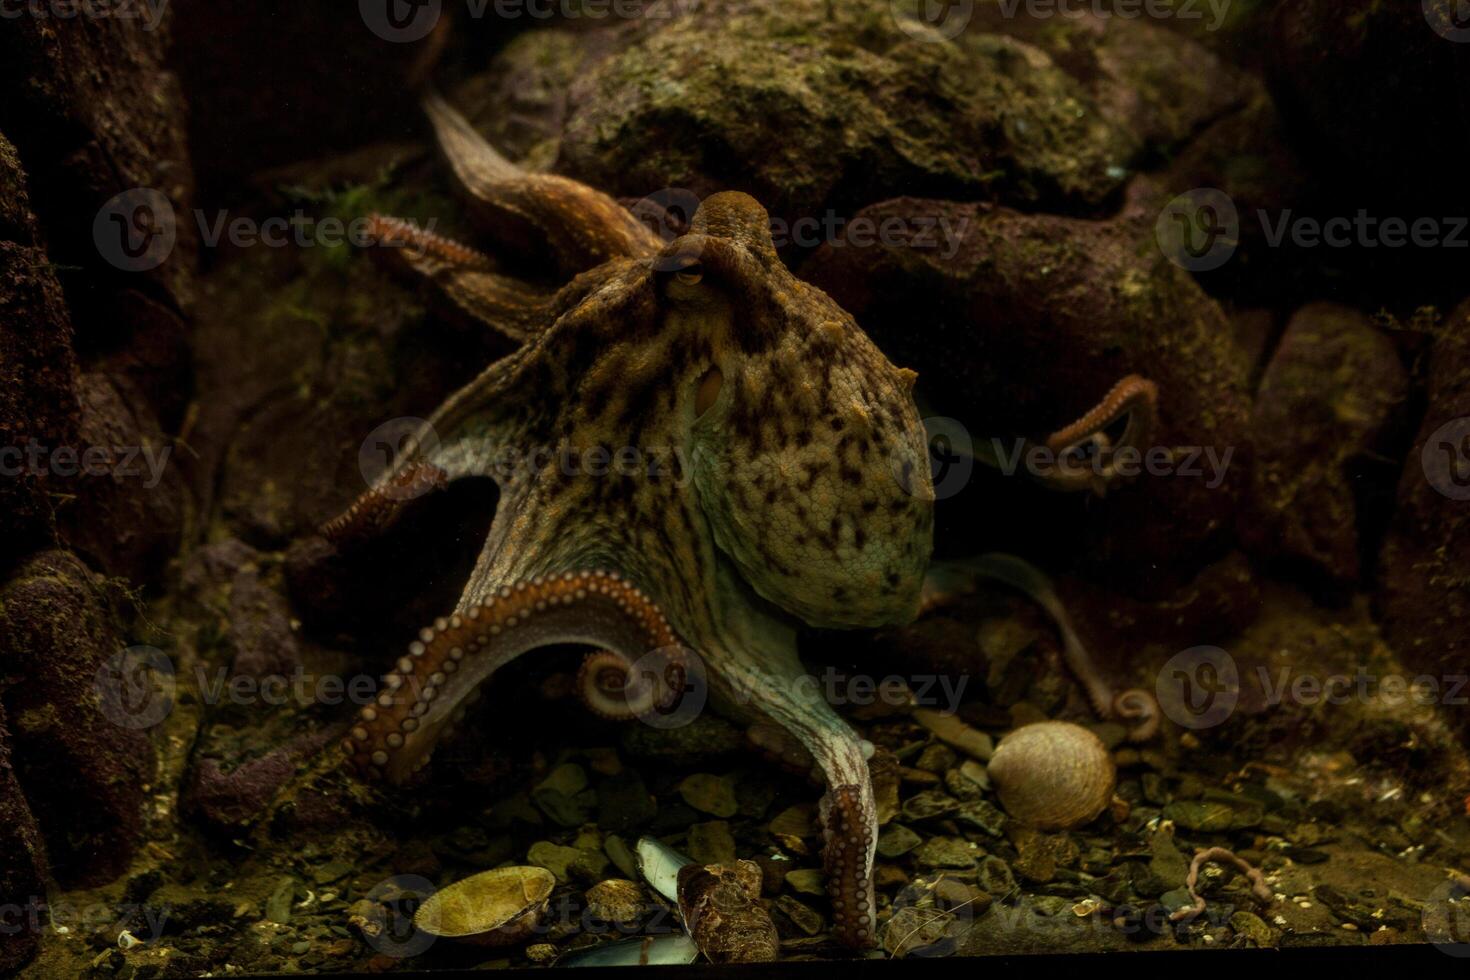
(1053, 775)
(493, 908)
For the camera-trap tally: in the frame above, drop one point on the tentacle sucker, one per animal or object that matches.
(446, 664)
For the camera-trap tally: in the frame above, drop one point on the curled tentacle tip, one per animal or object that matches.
(1142, 706)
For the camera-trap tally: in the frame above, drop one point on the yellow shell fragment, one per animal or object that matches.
(492, 908)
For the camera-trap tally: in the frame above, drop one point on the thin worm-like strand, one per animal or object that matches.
(1257, 879)
(1135, 704)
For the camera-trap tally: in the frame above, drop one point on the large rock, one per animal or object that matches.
(99, 124)
(1017, 323)
(125, 514)
(1247, 156)
(95, 113)
(1150, 82)
(37, 404)
(78, 749)
(1424, 592)
(808, 113)
(1325, 408)
(22, 864)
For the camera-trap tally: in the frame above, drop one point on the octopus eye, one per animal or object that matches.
(708, 390)
(690, 275)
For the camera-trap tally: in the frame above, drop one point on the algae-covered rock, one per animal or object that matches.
(805, 113)
(82, 756)
(1151, 82)
(848, 101)
(1325, 405)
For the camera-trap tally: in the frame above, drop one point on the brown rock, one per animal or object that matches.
(127, 514)
(23, 869)
(37, 366)
(95, 114)
(1424, 595)
(720, 905)
(1327, 402)
(84, 768)
(1154, 84)
(1018, 323)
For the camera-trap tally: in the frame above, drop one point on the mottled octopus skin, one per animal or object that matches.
(779, 476)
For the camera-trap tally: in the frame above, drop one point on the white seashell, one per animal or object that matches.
(659, 864)
(1053, 775)
(675, 950)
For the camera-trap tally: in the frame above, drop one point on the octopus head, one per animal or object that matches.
(809, 459)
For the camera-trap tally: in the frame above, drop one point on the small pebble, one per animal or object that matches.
(710, 794)
(807, 881)
(541, 952)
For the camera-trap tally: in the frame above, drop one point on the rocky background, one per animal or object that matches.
(1054, 144)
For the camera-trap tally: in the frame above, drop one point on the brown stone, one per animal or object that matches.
(84, 768)
(1424, 591)
(1328, 400)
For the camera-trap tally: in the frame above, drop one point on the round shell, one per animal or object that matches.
(492, 908)
(1053, 775)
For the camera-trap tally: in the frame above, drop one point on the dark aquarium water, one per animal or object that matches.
(521, 484)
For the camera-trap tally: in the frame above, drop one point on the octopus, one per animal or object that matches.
(696, 453)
